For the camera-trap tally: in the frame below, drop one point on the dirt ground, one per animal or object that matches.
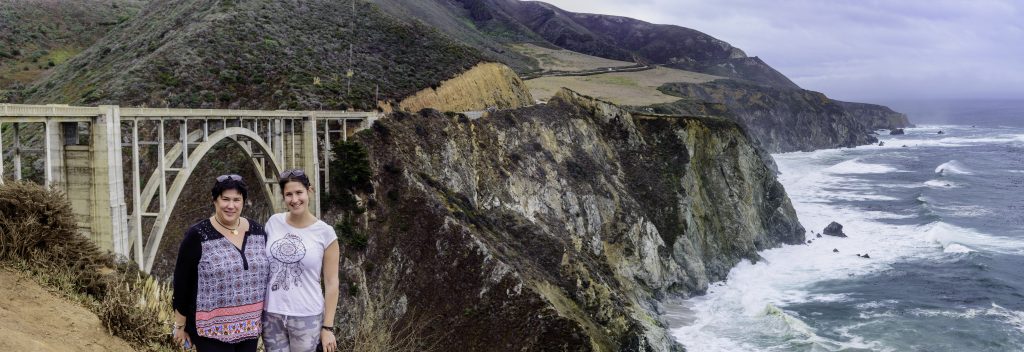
(624, 88)
(33, 319)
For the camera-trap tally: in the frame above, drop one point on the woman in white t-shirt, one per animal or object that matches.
(299, 315)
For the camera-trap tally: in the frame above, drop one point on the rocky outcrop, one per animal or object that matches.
(876, 117)
(834, 229)
(780, 119)
(487, 85)
(897, 132)
(557, 226)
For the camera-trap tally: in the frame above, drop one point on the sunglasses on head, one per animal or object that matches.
(292, 172)
(234, 177)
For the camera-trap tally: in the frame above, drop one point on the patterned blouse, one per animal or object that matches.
(219, 288)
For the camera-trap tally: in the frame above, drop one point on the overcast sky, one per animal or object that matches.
(866, 50)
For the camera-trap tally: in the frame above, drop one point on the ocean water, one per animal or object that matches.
(942, 220)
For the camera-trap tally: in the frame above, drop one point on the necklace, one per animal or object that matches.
(234, 231)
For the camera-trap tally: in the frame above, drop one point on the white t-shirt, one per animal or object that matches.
(296, 259)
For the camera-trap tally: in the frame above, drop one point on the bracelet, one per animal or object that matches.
(176, 326)
(328, 328)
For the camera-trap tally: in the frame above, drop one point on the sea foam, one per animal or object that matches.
(952, 167)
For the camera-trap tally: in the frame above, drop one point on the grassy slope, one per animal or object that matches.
(551, 59)
(626, 88)
(256, 54)
(37, 35)
(456, 22)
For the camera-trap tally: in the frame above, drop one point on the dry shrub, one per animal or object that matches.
(37, 226)
(137, 310)
(38, 232)
(381, 327)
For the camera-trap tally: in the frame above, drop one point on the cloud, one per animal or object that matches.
(860, 49)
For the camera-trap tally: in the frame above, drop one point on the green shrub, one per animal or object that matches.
(349, 234)
(350, 174)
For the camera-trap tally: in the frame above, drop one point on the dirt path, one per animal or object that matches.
(33, 319)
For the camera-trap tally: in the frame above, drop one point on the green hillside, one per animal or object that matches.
(505, 22)
(256, 54)
(38, 35)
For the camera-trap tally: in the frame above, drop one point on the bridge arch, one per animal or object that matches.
(253, 144)
(93, 171)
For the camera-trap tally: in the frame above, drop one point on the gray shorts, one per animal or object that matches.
(284, 333)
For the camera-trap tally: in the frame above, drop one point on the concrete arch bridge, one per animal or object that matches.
(82, 152)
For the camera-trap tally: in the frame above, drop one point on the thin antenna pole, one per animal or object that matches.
(350, 72)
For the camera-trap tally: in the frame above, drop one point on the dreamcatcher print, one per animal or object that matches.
(286, 267)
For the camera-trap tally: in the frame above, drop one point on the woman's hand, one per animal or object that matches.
(181, 338)
(328, 340)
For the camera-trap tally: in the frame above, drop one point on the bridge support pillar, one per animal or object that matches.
(310, 161)
(53, 145)
(108, 210)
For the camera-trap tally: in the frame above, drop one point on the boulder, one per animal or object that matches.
(881, 144)
(940, 132)
(834, 229)
(835, 250)
(897, 131)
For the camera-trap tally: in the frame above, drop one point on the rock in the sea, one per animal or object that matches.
(834, 229)
(897, 131)
(809, 241)
(819, 235)
(940, 132)
(881, 144)
(865, 256)
(904, 146)
(835, 250)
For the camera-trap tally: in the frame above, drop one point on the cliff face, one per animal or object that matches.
(555, 227)
(876, 117)
(487, 85)
(783, 119)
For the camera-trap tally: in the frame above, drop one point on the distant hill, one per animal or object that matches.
(38, 35)
(257, 54)
(610, 37)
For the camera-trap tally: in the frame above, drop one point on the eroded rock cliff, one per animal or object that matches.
(785, 119)
(876, 117)
(486, 85)
(556, 227)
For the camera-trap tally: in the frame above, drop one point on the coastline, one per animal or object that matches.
(743, 312)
